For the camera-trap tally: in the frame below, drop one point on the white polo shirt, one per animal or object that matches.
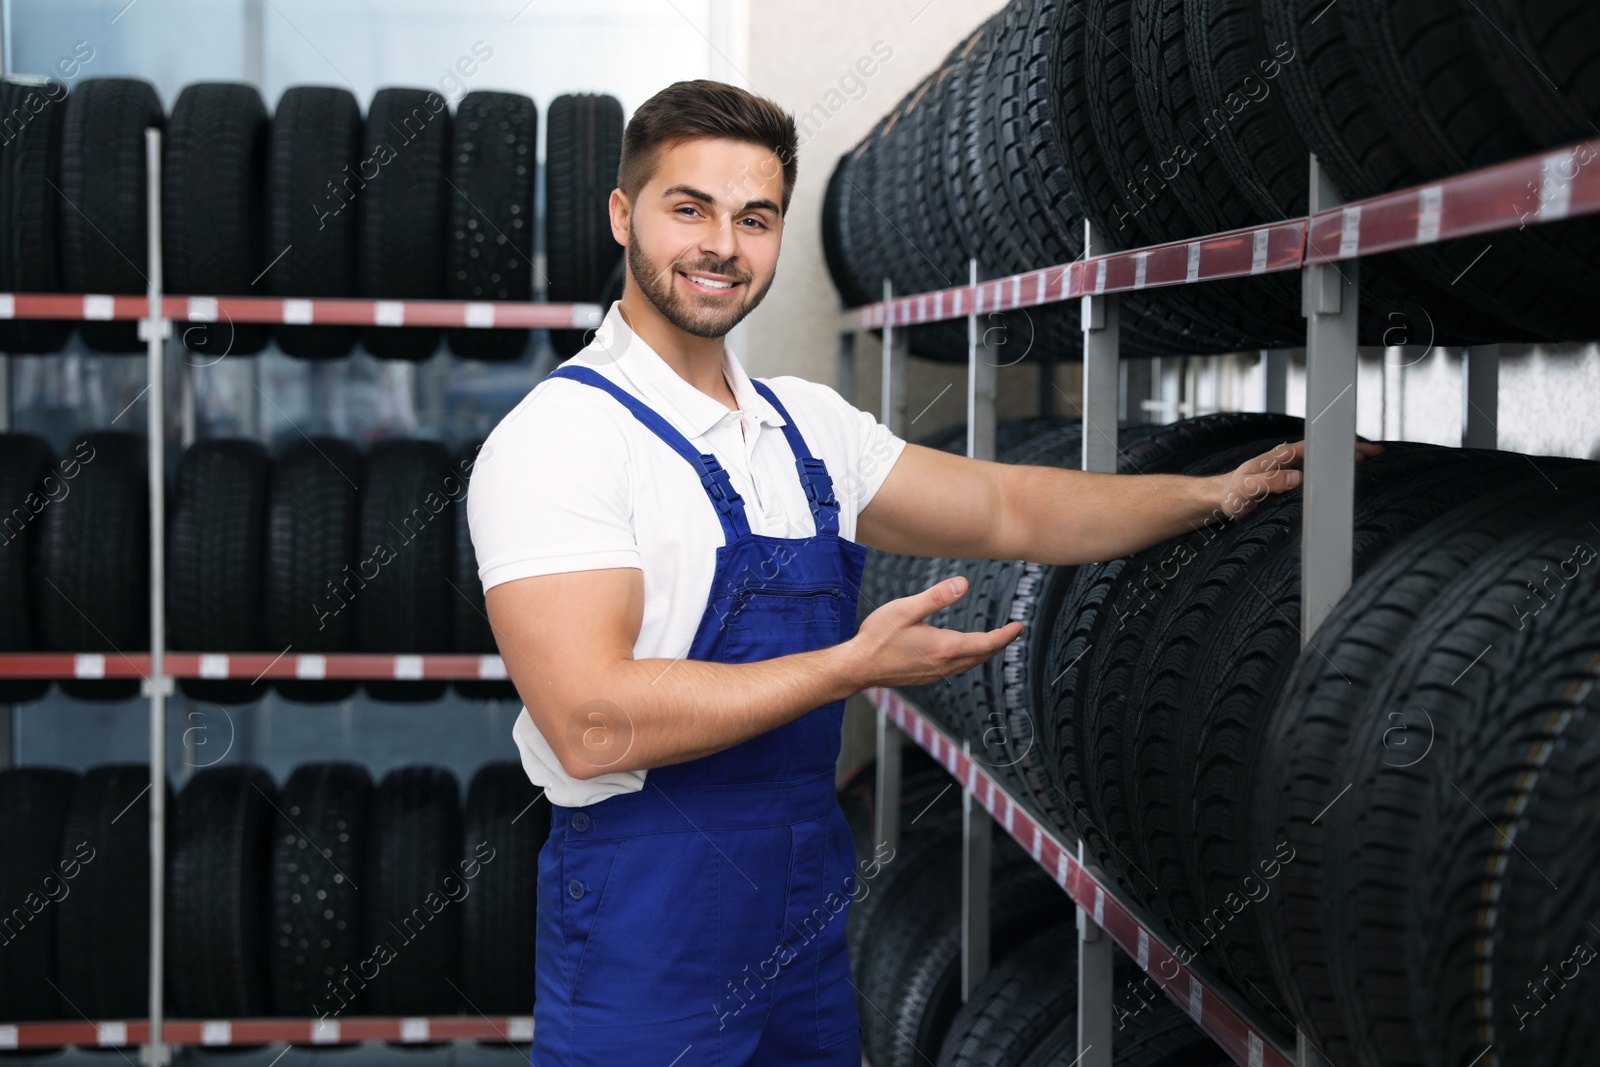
(569, 480)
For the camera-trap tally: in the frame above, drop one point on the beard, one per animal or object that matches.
(702, 317)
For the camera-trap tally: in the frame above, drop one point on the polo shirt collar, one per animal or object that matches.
(691, 412)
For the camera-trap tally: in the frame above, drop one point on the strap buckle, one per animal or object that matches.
(719, 487)
(819, 487)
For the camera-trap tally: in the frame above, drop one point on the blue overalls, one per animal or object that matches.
(701, 919)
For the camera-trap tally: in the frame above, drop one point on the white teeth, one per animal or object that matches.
(709, 283)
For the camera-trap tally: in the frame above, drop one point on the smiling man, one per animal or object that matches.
(672, 552)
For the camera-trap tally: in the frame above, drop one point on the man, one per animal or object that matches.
(671, 552)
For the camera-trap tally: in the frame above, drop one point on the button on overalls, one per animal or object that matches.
(703, 916)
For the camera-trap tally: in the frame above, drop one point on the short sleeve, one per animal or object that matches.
(549, 490)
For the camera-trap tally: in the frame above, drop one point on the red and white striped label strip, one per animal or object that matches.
(1261, 250)
(221, 1032)
(1212, 1013)
(1544, 188)
(252, 665)
(438, 313)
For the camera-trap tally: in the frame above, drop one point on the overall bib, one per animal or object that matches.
(701, 919)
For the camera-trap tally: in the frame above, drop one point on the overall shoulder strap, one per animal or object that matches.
(813, 472)
(719, 488)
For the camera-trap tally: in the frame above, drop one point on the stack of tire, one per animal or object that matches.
(905, 948)
(320, 548)
(1312, 823)
(330, 897)
(411, 203)
(1164, 120)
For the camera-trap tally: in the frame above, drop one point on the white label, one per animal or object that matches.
(99, 307)
(977, 297)
(89, 665)
(202, 309)
(1258, 1051)
(1144, 949)
(1258, 251)
(213, 665)
(8, 310)
(311, 666)
(216, 1032)
(1038, 843)
(325, 1031)
(520, 1028)
(1350, 231)
(1100, 277)
(297, 312)
(1011, 810)
(957, 310)
(1061, 869)
(1430, 208)
(492, 667)
(1099, 906)
(1016, 290)
(111, 1033)
(1043, 276)
(389, 313)
(916, 732)
(1196, 1003)
(1193, 271)
(1555, 191)
(972, 778)
(1141, 263)
(1066, 272)
(938, 304)
(480, 315)
(8, 1036)
(408, 668)
(989, 782)
(414, 1029)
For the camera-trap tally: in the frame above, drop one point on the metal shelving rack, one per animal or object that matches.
(156, 311)
(1478, 202)
(1325, 247)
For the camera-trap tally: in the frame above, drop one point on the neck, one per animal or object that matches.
(697, 360)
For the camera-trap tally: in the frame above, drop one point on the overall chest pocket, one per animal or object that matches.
(761, 624)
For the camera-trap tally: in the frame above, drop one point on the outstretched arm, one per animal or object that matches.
(567, 640)
(936, 504)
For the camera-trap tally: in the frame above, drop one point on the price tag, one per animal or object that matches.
(389, 313)
(297, 312)
(415, 1029)
(480, 315)
(216, 1032)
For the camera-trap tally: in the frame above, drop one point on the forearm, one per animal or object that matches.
(652, 712)
(1052, 515)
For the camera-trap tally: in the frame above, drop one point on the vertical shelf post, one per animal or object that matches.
(1095, 992)
(846, 373)
(1480, 399)
(977, 836)
(977, 828)
(982, 381)
(1101, 336)
(1275, 387)
(156, 328)
(1329, 301)
(894, 372)
(886, 812)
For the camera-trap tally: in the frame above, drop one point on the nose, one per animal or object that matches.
(719, 242)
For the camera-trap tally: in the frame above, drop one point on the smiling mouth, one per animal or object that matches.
(709, 287)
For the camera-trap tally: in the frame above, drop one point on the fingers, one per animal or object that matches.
(939, 595)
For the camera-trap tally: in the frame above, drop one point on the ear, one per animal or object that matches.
(621, 211)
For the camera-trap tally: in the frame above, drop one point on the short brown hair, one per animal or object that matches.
(692, 110)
